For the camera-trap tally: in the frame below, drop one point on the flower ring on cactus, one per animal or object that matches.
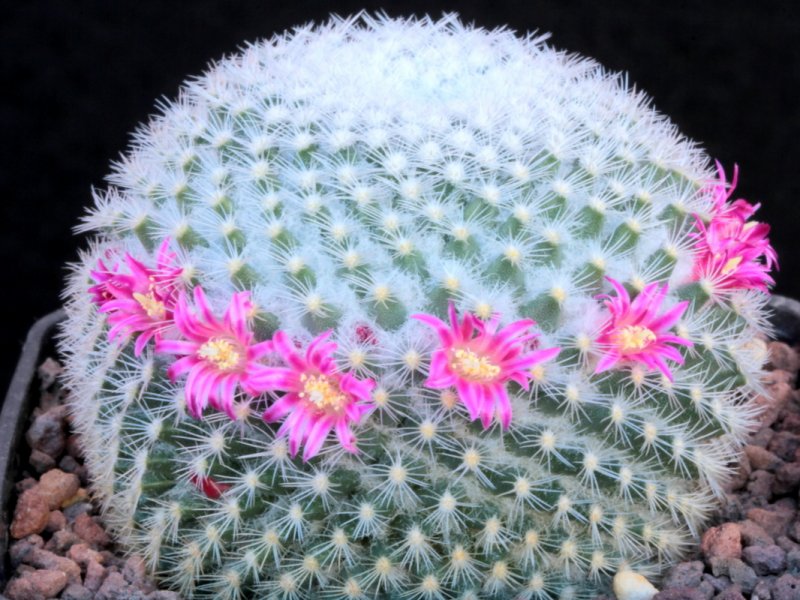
(478, 359)
(318, 397)
(636, 332)
(140, 300)
(729, 248)
(218, 356)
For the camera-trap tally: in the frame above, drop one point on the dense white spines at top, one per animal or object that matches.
(355, 173)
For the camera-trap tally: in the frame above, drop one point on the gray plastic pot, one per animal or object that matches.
(19, 401)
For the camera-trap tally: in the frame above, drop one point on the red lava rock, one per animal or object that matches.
(761, 458)
(774, 519)
(742, 575)
(786, 587)
(56, 522)
(61, 541)
(75, 591)
(57, 486)
(771, 404)
(31, 514)
(90, 532)
(83, 555)
(754, 535)
(765, 560)
(784, 444)
(95, 575)
(19, 551)
(724, 541)
(685, 574)
(787, 478)
(683, 593)
(783, 357)
(740, 478)
(732, 593)
(760, 484)
(47, 433)
(113, 588)
(44, 559)
(135, 571)
(41, 461)
(33, 585)
(762, 437)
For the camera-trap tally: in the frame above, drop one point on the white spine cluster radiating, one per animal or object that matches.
(350, 175)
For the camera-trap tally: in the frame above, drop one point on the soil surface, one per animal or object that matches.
(750, 551)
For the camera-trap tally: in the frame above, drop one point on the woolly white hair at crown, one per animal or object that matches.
(348, 177)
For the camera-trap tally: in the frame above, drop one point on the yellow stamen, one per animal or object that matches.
(731, 265)
(470, 365)
(221, 353)
(155, 309)
(322, 393)
(634, 337)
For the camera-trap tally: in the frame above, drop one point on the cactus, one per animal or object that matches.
(409, 309)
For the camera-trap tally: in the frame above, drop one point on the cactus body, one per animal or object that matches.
(351, 178)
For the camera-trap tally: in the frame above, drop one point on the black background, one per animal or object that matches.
(78, 76)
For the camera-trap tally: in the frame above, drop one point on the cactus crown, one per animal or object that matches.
(311, 367)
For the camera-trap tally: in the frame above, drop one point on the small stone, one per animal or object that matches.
(83, 555)
(25, 484)
(681, 593)
(762, 591)
(762, 437)
(685, 574)
(793, 561)
(742, 575)
(115, 587)
(782, 357)
(772, 403)
(56, 486)
(787, 479)
(724, 541)
(32, 585)
(41, 461)
(717, 583)
(135, 571)
(90, 532)
(44, 559)
(76, 591)
(754, 535)
(73, 511)
(761, 458)
(784, 444)
(774, 519)
(31, 514)
(765, 560)
(95, 575)
(20, 550)
(632, 586)
(786, 587)
(61, 541)
(732, 593)
(48, 372)
(760, 484)
(741, 475)
(47, 432)
(56, 522)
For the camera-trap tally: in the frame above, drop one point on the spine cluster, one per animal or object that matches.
(408, 309)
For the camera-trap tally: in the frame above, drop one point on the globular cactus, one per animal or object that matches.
(302, 343)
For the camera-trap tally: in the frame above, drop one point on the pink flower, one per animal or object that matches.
(729, 248)
(218, 355)
(318, 399)
(635, 332)
(478, 359)
(140, 299)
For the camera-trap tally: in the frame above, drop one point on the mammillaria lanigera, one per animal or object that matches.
(409, 309)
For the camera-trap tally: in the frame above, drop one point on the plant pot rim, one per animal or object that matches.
(14, 417)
